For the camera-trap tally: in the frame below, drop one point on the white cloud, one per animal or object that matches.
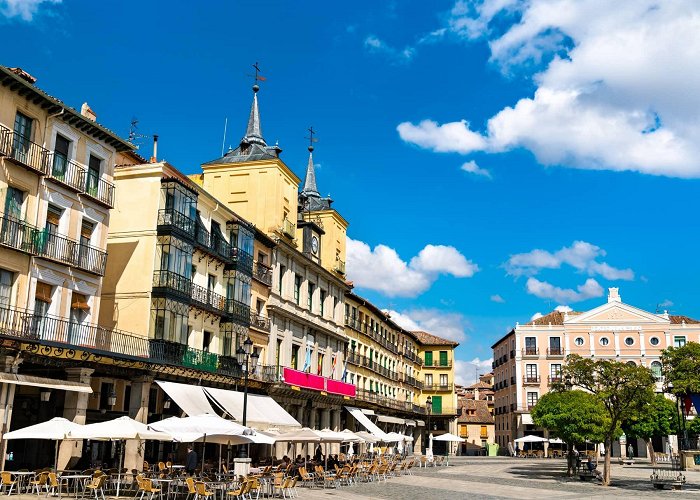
(617, 84)
(581, 255)
(497, 298)
(382, 269)
(379, 46)
(24, 9)
(445, 324)
(563, 309)
(473, 168)
(665, 303)
(590, 289)
(466, 371)
(535, 316)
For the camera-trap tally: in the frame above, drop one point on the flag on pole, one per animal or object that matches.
(335, 361)
(307, 361)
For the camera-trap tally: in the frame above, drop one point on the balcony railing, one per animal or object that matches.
(354, 358)
(260, 322)
(17, 234)
(531, 351)
(23, 151)
(66, 172)
(435, 363)
(99, 189)
(288, 228)
(554, 352)
(262, 273)
(339, 266)
(412, 356)
(170, 220)
(238, 311)
(173, 283)
(531, 379)
(207, 299)
(213, 244)
(554, 379)
(438, 387)
(242, 261)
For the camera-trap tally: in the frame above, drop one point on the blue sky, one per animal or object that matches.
(495, 159)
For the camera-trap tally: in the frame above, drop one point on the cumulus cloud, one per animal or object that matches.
(383, 270)
(445, 324)
(588, 290)
(498, 299)
(24, 9)
(473, 168)
(563, 309)
(535, 316)
(616, 84)
(581, 255)
(378, 46)
(466, 371)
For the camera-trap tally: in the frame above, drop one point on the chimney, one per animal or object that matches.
(154, 158)
(87, 112)
(614, 295)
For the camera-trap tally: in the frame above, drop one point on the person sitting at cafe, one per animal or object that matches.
(299, 459)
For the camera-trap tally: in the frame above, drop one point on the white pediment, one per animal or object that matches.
(616, 313)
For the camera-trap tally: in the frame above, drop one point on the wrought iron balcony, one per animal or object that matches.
(259, 322)
(554, 379)
(91, 259)
(242, 261)
(99, 189)
(531, 351)
(171, 283)
(237, 312)
(339, 266)
(354, 358)
(17, 234)
(555, 352)
(208, 300)
(212, 244)
(438, 387)
(22, 151)
(67, 251)
(435, 363)
(288, 228)
(531, 379)
(353, 323)
(66, 172)
(262, 273)
(172, 221)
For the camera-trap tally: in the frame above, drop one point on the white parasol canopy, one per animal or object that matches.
(118, 429)
(351, 437)
(55, 429)
(367, 437)
(303, 435)
(329, 436)
(531, 439)
(202, 427)
(451, 438)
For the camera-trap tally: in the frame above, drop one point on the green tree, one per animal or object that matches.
(574, 417)
(681, 368)
(624, 389)
(658, 418)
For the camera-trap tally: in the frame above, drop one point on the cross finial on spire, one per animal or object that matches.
(311, 138)
(257, 77)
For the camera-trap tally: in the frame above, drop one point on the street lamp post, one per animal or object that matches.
(244, 355)
(429, 409)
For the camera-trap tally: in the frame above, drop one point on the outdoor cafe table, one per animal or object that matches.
(165, 485)
(22, 478)
(76, 479)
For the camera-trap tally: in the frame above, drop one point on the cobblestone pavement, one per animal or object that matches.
(501, 477)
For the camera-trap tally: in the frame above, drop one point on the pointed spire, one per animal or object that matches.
(310, 188)
(253, 134)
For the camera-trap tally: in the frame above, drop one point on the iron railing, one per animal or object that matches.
(339, 266)
(17, 234)
(213, 244)
(531, 379)
(99, 189)
(436, 363)
(175, 283)
(21, 150)
(66, 172)
(555, 352)
(242, 260)
(262, 273)
(260, 322)
(531, 351)
(437, 387)
(206, 299)
(171, 220)
(238, 311)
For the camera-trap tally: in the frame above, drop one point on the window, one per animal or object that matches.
(555, 346)
(654, 341)
(322, 300)
(53, 219)
(6, 279)
(679, 341)
(93, 175)
(281, 277)
(604, 341)
(23, 136)
(530, 345)
(437, 405)
(444, 380)
(79, 310)
(656, 369)
(443, 358)
(297, 288)
(295, 357)
(428, 379)
(13, 203)
(169, 320)
(428, 358)
(532, 398)
(631, 363)
(60, 157)
(106, 390)
(555, 372)
(579, 341)
(206, 342)
(227, 347)
(310, 297)
(86, 230)
(531, 373)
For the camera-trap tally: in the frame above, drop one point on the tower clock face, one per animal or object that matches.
(314, 244)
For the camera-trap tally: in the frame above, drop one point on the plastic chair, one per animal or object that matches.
(7, 481)
(39, 483)
(97, 486)
(54, 484)
(202, 491)
(146, 486)
(191, 490)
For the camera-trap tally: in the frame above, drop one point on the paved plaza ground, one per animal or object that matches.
(502, 477)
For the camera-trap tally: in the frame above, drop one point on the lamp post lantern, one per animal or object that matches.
(244, 356)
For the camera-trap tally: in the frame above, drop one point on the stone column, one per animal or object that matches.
(75, 410)
(138, 410)
(300, 415)
(8, 364)
(312, 418)
(325, 418)
(335, 420)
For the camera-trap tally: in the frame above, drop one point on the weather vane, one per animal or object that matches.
(257, 76)
(311, 138)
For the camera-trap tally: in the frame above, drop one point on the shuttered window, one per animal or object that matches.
(53, 217)
(43, 292)
(79, 301)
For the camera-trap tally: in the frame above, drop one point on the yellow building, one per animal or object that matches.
(476, 426)
(56, 173)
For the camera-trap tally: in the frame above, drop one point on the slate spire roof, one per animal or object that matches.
(310, 199)
(253, 133)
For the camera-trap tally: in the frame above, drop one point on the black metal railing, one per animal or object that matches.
(91, 259)
(23, 151)
(437, 363)
(99, 189)
(531, 379)
(171, 220)
(213, 244)
(437, 387)
(17, 234)
(242, 260)
(531, 351)
(207, 299)
(354, 358)
(173, 283)
(238, 311)
(65, 171)
(555, 351)
(262, 273)
(260, 322)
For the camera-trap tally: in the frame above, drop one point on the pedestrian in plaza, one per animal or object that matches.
(190, 461)
(630, 451)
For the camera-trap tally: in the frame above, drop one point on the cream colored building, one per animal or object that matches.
(529, 358)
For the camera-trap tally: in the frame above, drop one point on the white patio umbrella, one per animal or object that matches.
(303, 435)
(367, 437)
(531, 439)
(119, 429)
(429, 450)
(351, 437)
(450, 438)
(57, 429)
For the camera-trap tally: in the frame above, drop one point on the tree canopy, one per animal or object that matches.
(573, 416)
(681, 368)
(660, 418)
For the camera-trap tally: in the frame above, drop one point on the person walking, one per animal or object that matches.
(190, 461)
(630, 451)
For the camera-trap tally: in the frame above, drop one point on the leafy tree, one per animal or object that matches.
(659, 418)
(681, 368)
(573, 416)
(693, 426)
(625, 390)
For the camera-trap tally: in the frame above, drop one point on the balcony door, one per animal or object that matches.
(78, 333)
(42, 303)
(555, 345)
(531, 373)
(93, 176)
(60, 158)
(530, 345)
(22, 138)
(12, 230)
(437, 405)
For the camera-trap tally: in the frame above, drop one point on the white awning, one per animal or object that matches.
(49, 383)
(190, 398)
(411, 423)
(367, 412)
(390, 420)
(526, 419)
(420, 423)
(367, 423)
(261, 409)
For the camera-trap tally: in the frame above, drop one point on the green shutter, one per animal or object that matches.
(428, 358)
(443, 358)
(437, 405)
